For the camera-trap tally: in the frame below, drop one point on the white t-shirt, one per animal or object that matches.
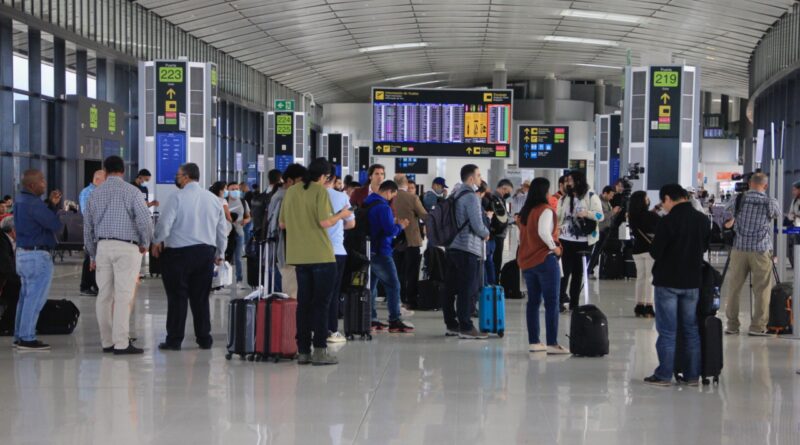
(566, 224)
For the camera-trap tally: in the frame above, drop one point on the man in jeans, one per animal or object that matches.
(464, 257)
(36, 226)
(680, 241)
(383, 230)
(751, 254)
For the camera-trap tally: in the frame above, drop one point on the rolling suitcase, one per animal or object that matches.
(431, 295)
(510, 280)
(710, 328)
(780, 307)
(276, 319)
(588, 330)
(241, 328)
(612, 265)
(358, 305)
(491, 307)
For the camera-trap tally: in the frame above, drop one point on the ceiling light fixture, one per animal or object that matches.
(418, 84)
(372, 49)
(592, 65)
(597, 15)
(409, 76)
(579, 40)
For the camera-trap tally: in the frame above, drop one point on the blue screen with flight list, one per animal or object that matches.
(170, 155)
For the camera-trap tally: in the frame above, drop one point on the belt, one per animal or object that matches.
(36, 248)
(120, 240)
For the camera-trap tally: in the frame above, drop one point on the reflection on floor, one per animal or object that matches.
(404, 389)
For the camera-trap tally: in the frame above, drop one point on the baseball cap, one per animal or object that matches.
(440, 181)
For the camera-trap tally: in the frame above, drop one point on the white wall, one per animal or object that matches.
(717, 155)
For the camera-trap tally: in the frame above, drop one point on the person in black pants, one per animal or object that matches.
(192, 234)
(495, 202)
(579, 212)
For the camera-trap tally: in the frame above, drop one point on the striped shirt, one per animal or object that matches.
(754, 221)
(116, 210)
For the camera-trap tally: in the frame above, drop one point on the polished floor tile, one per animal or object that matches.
(397, 389)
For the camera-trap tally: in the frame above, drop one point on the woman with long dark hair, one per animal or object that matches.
(643, 224)
(579, 212)
(538, 260)
(306, 214)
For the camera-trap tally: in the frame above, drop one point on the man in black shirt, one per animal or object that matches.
(141, 183)
(681, 239)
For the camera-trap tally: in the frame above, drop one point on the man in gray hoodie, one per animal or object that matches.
(464, 257)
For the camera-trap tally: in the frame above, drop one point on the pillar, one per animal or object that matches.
(102, 79)
(724, 110)
(8, 178)
(550, 86)
(67, 167)
(599, 97)
(497, 167)
(82, 72)
(35, 100)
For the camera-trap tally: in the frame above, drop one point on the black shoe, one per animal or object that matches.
(655, 381)
(639, 310)
(649, 312)
(108, 350)
(168, 347)
(205, 345)
(130, 350)
(399, 326)
(88, 292)
(379, 325)
(33, 345)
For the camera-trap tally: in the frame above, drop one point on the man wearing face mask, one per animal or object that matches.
(190, 238)
(141, 182)
(496, 203)
(238, 206)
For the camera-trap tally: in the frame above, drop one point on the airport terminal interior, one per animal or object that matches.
(629, 94)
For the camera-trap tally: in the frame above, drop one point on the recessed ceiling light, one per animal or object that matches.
(711, 58)
(371, 49)
(409, 76)
(579, 40)
(597, 15)
(592, 65)
(419, 84)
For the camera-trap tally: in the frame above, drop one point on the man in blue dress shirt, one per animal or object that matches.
(194, 233)
(88, 281)
(36, 226)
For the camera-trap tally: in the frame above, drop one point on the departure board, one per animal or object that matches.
(441, 122)
(543, 146)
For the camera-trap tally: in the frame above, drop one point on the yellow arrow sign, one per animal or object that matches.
(469, 150)
(527, 139)
(665, 98)
(171, 93)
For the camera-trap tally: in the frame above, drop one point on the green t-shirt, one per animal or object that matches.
(301, 212)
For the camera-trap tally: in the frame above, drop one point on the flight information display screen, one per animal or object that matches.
(443, 122)
(543, 146)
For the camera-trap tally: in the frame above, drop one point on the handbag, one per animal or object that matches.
(583, 226)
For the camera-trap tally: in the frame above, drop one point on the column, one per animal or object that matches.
(7, 179)
(102, 79)
(496, 166)
(82, 72)
(67, 168)
(724, 110)
(35, 100)
(599, 97)
(550, 85)
(746, 135)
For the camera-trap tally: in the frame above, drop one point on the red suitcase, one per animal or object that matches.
(276, 322)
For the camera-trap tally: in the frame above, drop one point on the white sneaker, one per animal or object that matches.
(537, 347)
(336, 337)
(406, 312)
(557, 350)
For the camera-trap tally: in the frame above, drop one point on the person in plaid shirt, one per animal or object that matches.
(751, 253)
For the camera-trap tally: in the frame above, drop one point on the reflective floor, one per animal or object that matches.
(403, 389)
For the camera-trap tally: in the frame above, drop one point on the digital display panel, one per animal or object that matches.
(543, 146)
(170, 74)
(669, 79)
(444, 123)
(411, 165)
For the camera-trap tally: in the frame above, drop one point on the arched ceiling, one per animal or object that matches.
(318, 46)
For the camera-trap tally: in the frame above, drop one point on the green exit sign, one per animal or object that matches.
(284, 105)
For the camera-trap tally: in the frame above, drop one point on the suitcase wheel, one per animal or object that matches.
(251, 357)
(369, 337)
(500, 333)
(276, 359)
(349, 336)
(228, 356)
(258, 357)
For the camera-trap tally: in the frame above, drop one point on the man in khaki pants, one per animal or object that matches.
(753, 214)
(117, 231)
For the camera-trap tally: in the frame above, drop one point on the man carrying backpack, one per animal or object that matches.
(464, 256)
(382, 231)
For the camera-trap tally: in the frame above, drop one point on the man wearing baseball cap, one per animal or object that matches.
(437, 193)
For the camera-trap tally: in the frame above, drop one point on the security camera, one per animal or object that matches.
(313, 104)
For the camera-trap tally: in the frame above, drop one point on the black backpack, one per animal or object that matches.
(441, 224)
(362, 231)
(58, 317)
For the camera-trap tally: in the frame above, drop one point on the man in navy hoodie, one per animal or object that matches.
(382, 231)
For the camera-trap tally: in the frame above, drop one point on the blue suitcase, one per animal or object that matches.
(492, 310)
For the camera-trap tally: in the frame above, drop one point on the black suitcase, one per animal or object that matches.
(629, 264)
(241, 328)
(710, 328)
(358, 304)
(510, 280)
(612, 266)
(780, 309)
(588, 332)
(431, 295)
(58, 317)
